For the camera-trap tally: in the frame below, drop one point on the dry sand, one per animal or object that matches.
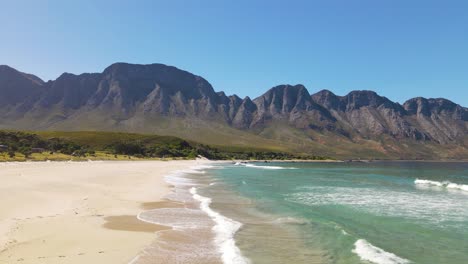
(79, 212)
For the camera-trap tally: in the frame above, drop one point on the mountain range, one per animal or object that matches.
(160, 99)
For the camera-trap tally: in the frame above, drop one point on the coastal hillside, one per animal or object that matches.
(85, 145)
(164, 100)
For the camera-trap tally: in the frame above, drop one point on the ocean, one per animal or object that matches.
(378, 212)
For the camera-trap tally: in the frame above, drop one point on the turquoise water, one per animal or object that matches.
(381, 212)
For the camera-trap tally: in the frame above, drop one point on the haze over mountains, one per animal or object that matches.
(165, 100)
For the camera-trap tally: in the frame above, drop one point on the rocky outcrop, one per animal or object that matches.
(291, 104)
(367, 114)
(441, 119)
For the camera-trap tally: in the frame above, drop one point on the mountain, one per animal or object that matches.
(165, 100)
(18, 90)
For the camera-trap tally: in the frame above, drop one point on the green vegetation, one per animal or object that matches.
(121, 146)
(26, 144)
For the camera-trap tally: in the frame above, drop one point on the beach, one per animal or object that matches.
(203, 212)
(80, 212)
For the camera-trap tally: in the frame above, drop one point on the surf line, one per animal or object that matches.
(225, 230)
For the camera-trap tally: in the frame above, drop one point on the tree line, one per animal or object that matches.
(23, 142)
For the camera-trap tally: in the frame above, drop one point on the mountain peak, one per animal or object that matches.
(361, 98)
(428, 106)
(7, 71)
(4, 67)
(286, 87)
(325, 92)
(327, 99)
(18, 88)
(132, 68)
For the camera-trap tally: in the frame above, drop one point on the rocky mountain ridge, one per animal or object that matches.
(136, 97)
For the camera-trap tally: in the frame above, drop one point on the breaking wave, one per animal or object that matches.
(368, 252)
(249, 165)
(444, 184)
(225, 229)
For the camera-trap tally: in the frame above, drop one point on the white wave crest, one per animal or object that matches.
(444, 184)
(368, 252)
(264, 167)
(225, 229)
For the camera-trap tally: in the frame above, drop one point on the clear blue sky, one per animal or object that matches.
(399, 48)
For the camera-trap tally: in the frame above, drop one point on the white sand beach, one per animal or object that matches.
(79, 212)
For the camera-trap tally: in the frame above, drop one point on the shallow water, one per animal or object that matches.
(385, 212)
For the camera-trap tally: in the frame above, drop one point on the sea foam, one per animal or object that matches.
(264, 167)
(290, 220)
(177, 218)
(444, 184)
(368, 252)
(446, 209)
(225, 229)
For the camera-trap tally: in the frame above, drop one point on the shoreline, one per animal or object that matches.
(345, 161)
(193, 227)
(135, 159)
(81, 212)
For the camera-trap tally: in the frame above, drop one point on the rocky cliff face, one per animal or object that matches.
(440, 119)
(123, 92)
(369, 115)
(292, 104)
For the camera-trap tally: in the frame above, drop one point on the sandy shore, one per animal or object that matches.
(79, 212)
